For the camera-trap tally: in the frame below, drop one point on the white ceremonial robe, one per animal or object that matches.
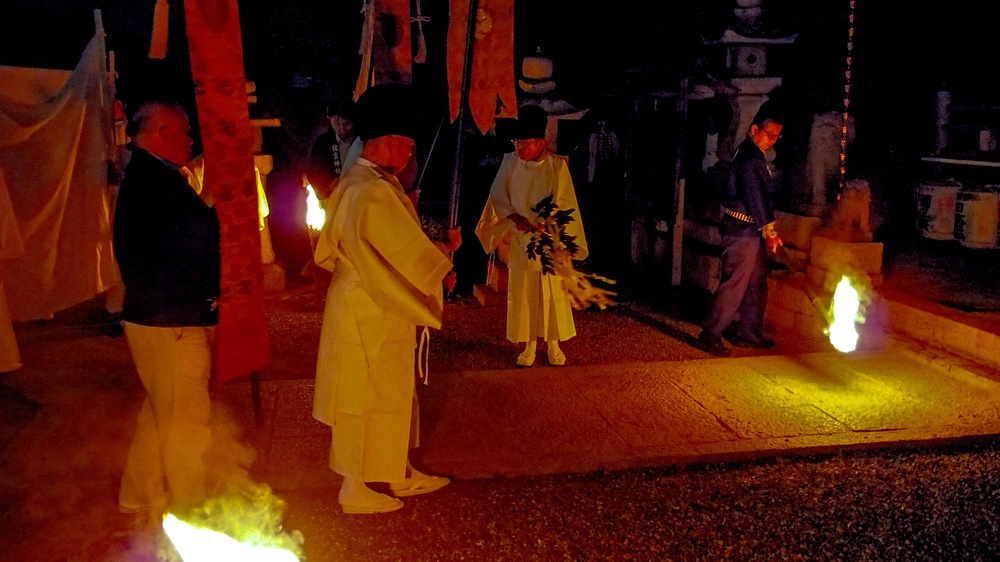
(537, 303)
(387, 279)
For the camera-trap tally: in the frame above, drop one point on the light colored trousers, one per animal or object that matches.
(165, 465)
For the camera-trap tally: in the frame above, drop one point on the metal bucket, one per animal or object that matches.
(936, 209)
(976, 217)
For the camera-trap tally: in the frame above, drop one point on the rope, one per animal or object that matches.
(423, 355)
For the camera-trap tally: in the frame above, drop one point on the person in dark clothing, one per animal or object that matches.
(328, 158)
(748, 231)
(166, 242)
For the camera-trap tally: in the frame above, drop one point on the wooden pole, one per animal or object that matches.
(430, 151)
(470, 41)
(677, 248)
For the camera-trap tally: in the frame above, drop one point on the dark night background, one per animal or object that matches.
(300, 53)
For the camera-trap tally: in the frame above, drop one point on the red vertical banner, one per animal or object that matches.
(385, 45)
(213, 29)
(492, 60)
(391, 43)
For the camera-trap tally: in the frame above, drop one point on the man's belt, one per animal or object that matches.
(738, 215)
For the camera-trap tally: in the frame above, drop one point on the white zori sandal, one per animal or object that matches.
(418, 483)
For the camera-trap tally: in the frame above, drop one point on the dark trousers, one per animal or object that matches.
(742, 292)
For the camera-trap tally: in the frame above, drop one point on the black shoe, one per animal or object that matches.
(757, 342)
(712, 344)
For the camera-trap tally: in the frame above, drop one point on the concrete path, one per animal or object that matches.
(480, 424)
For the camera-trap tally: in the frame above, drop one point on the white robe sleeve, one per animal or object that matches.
(399, 266)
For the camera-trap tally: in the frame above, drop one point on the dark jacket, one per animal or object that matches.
(748, 191)
(324, 164)
(166, 242)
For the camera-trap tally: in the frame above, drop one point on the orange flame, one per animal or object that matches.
(315, 216)
(195, 544)
(846, 303)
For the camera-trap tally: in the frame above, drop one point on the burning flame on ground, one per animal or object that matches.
(241, 526)
(205, 545)
(846, 303)
(315, 216)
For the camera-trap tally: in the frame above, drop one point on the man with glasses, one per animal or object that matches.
(747, 228)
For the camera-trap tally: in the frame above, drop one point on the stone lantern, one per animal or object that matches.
(743, 48)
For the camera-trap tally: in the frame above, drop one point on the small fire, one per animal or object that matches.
(315, 215)
(242, 525)
(843, 334)
(205, 545)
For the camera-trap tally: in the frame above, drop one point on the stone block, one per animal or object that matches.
(797, 230)
(809, 325)
(846, 257)
(800, 256)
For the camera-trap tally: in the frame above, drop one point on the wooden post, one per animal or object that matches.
(677, 250)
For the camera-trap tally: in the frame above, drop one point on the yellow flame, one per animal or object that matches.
(315, 216)
(846, 303)
(205, 545)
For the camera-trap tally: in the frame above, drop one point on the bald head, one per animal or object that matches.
(163, 130)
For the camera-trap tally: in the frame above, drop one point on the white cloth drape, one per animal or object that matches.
(55, 134)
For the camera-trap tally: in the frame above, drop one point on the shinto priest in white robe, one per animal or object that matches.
(537, 304)
(387, 280)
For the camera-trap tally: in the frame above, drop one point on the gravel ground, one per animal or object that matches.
(914, 505)
(895, 505)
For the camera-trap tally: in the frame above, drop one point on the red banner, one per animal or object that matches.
(213, 29)
(492, 60)
(391, 42)
(385, 45)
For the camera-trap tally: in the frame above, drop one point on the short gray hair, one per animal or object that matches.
(141, 117)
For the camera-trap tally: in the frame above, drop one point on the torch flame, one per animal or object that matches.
(315, 216)
(846, 303)
(205, 545)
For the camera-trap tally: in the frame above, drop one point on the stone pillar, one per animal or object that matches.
(274, 275)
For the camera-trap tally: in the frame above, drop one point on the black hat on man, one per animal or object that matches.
(532, 121)
(387, 109)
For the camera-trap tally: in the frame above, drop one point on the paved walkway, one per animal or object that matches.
(548, 420)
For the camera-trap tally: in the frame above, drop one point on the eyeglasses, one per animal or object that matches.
(773, 136)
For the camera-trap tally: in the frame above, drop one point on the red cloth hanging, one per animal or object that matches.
(213, 29)
(492, 61)
(391, 43)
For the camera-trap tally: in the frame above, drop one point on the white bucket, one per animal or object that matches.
(976, 218)
(936, 209)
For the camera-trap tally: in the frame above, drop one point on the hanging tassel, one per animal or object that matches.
(421, 56)
(158, 44)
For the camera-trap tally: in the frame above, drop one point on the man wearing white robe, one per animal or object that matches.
(387, 280)
(537, 303)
